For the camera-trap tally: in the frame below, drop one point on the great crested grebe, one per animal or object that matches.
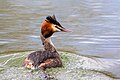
(49, 57)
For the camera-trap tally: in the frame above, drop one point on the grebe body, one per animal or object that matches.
(49, 57)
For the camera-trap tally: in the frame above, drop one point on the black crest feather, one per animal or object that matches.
(53, 20)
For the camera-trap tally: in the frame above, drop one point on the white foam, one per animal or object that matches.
(3, 42)
(88, 42)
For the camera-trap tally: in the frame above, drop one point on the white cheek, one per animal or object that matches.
(58, 30)
(55, 29)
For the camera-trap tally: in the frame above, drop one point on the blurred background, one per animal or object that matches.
(95, 26)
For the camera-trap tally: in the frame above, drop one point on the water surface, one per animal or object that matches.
(94, 24)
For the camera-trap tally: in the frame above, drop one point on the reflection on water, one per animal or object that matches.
(95, 26)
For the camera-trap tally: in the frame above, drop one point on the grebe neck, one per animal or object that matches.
(47, 44)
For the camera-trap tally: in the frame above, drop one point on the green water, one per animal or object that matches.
(11, 69)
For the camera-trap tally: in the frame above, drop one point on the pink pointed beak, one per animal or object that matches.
(65, 30)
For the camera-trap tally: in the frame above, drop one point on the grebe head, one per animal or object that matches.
(51, 25)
